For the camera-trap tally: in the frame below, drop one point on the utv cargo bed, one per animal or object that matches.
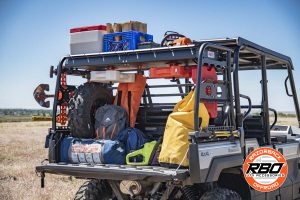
(115, 172)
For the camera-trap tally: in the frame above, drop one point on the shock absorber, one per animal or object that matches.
(190, 193)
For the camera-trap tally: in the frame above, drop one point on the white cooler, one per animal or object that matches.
(88, 39)
(112, 76)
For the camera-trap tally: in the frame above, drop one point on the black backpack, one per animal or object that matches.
(109, 121)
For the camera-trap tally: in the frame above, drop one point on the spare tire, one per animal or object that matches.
(82, 108)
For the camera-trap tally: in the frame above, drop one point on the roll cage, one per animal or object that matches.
(235, 54)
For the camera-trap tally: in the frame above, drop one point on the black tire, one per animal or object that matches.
(94, 189)
(82, 108)
(221, 194)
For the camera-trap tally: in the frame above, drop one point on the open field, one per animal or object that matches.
(21, 149)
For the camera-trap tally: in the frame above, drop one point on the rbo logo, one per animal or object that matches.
(265, 169)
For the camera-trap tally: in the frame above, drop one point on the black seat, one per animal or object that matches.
(152, 120)
(254, 128)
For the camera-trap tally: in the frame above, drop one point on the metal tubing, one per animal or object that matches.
(286, 87)
(199, 75)
(42, 179)
(264, 51)
(180, 88)
(188, 85)
(265, 101)
(236, 87)
(54, 112)
(296, 103)
(164, 86)
(198, 82)
(249, 105)
(167, 95)
(230, 95)
(102, 60)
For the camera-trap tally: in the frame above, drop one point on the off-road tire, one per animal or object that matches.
(221, 194)
(82, 107)
(94, 189)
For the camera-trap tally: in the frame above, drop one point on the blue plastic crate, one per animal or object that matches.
(128, 40)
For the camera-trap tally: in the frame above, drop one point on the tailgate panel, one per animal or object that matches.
(115, 172)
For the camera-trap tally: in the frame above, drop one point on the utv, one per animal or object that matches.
(215, 160)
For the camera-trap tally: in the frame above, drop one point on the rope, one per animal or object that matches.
(184, 157)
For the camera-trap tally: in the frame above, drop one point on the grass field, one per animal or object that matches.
(21, 149)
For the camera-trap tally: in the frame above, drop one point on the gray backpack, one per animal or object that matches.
(109, 121)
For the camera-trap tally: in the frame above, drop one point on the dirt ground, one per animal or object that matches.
(21, 149)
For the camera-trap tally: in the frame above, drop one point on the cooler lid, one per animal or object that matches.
(88, 28)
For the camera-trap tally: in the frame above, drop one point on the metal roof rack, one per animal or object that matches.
(249, 56)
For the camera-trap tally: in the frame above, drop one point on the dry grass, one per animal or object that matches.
(287, 121)
(21, 149)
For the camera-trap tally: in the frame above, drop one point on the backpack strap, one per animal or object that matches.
(97, 134)
(129, 106)
(104, 132)
(158, 143)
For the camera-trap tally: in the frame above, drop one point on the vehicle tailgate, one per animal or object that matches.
(115, 172)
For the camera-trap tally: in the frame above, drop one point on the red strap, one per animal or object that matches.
(97, 134)
(104, 132)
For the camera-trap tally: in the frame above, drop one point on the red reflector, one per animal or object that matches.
(208, 90)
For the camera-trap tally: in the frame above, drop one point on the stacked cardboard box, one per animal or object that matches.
(126, 26)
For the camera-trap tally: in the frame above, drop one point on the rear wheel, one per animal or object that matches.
(94, 189)
(221, 194)
(82, 108)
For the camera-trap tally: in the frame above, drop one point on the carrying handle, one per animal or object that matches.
(170, 36)
(286, 87)
(249, 105)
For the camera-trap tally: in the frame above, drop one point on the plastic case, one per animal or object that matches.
(208, 74)
(170, 72)
(88, 39)
(121, 41)
(112, 76)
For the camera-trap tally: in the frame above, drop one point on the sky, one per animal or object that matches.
(35, 35)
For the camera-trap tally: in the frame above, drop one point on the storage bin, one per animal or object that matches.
(208, 73)
(121, 41)
(112, 76)
(170, 72)
(88, 39)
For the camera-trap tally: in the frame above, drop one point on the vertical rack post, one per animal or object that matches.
(265, 104)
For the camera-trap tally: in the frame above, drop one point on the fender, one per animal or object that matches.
(217, 165)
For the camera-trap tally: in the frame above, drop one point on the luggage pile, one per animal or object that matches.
(116, 136)
(117, 141)
(110, 37)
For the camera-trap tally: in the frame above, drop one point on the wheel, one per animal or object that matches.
(82, 108)
(221, 194)
(94, 189)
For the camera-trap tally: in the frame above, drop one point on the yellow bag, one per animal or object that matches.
(175, 141)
